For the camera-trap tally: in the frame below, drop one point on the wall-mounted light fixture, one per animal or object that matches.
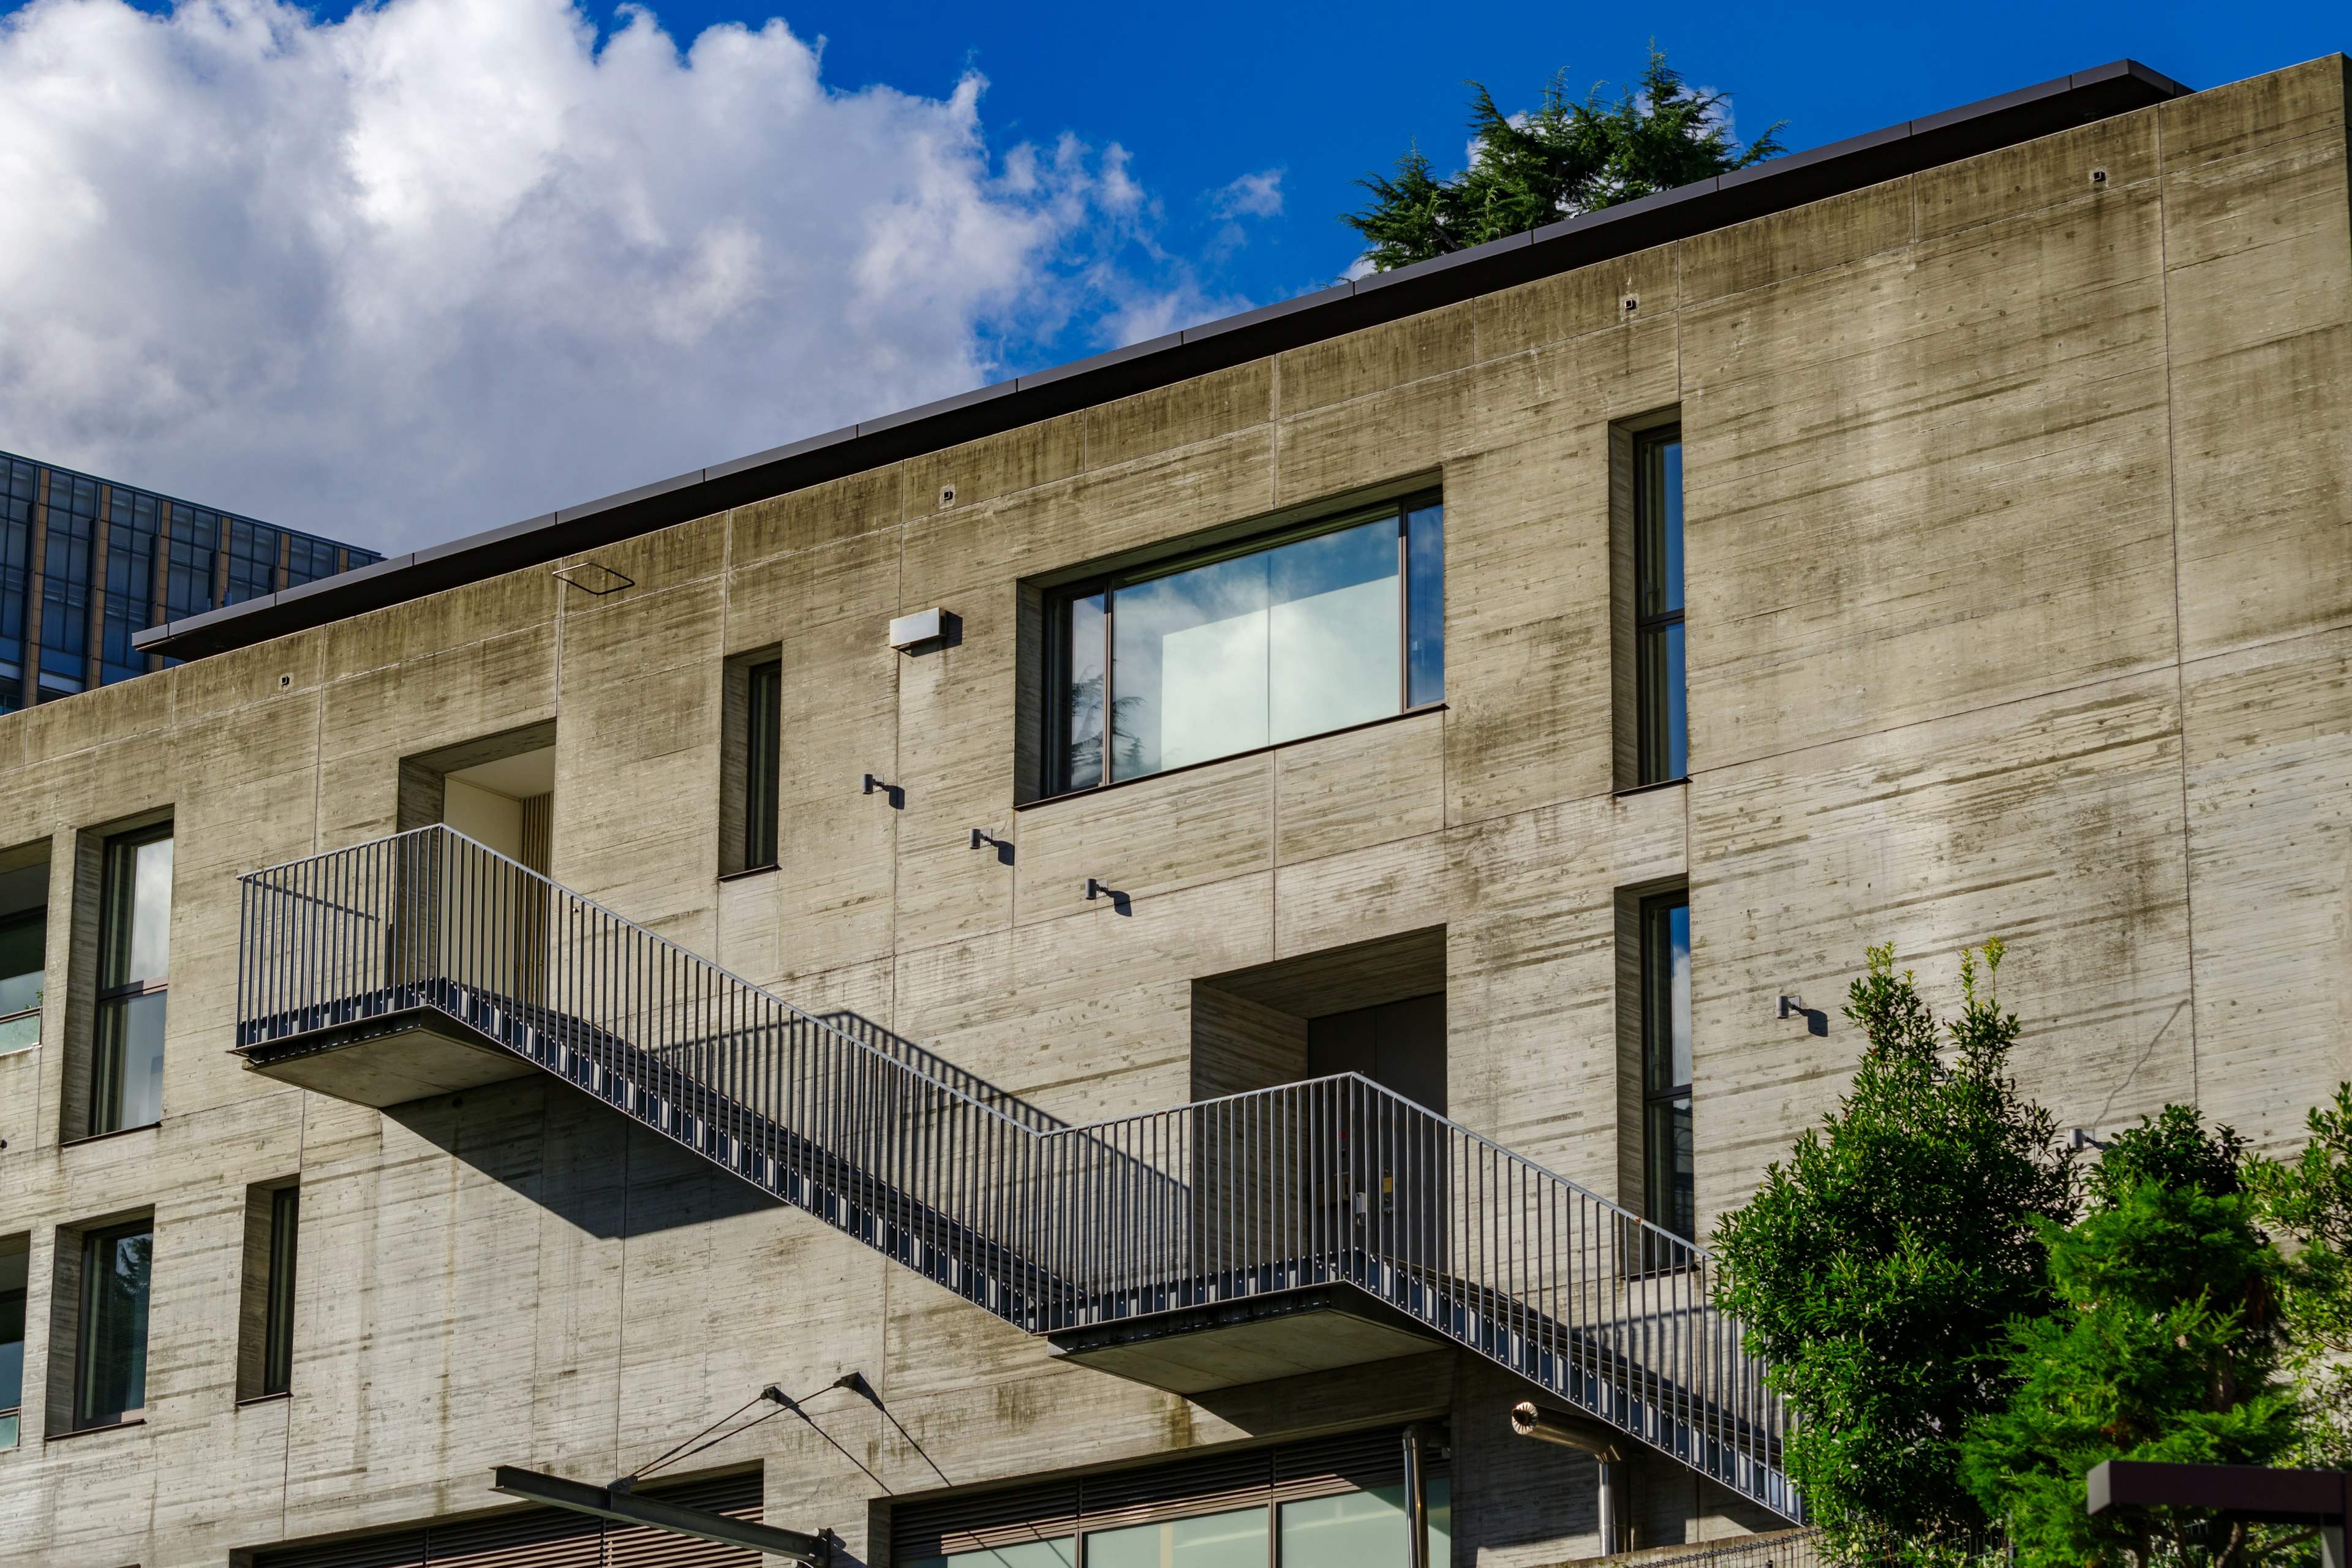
(1793, 1005)
(1120, 904)
(1002, 847)
(925, 629)
(872, 784)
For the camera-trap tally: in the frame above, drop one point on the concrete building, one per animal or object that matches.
(1503, 679)
(87, 565)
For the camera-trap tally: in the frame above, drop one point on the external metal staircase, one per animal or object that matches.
(1328, 1219)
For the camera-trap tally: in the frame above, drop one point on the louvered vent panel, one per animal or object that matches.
(401, 1549)
(635, 1546)
(545, 1538)
(532, 1538)
(946, 1526)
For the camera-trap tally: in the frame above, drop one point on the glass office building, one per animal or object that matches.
(85, 563)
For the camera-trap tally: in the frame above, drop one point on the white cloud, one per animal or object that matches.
(1252, 196)
(446, 263)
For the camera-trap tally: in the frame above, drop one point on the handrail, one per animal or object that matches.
(1336, 1181)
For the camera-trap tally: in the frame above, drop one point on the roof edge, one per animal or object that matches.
(1776, 185)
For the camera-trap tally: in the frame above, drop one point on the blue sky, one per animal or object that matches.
(1205, 94)
(399, 274)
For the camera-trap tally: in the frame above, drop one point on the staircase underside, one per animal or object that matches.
(1257, 1339)
(415, 1040)
(415, 1053)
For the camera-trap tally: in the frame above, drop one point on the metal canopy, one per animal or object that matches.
(2253, 1493)
(628, 1508)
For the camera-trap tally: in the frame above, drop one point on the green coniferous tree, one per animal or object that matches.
(2164, 1347)
(2308, 1200)
(1878, 1265)
(1562, 158)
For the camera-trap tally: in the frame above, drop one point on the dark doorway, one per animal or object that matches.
(1398, 1045)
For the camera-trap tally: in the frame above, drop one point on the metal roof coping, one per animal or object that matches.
(1777, 185)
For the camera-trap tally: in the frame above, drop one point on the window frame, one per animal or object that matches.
(106, 1059)
(90, 1241)
(1657, 1031)
(750, 762)
(19, 1248)
(277, 1301)
(1654, 716)
(39, 918)
(763, 722)
(1055, 781)
(1067, 1512)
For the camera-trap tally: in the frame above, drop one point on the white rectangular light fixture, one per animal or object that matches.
(922, 626)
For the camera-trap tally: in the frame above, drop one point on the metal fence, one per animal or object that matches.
(1333, 1180)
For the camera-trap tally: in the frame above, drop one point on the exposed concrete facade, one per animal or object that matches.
(2019, 561)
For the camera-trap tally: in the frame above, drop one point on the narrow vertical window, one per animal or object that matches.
(277, 1321)
(16, 1256)
(1078, 755)
(1658, 604)
(265, 1333)
(751, 780)
(134, 953)
(110, 1346)
(762, 753)
(1424, 546)
(24, 938)
(1666, 1064)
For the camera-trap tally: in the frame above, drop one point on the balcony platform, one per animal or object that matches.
(415, 1052)
(1255, 1339)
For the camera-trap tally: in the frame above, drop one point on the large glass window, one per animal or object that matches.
(1061, 1552)
(1248, 647)
(1235, 1540)
(15, 1254)
(1666, 1063)
(135, 954)
(1658, 604)
(24, 938)
(1359, 1530)
(1327, 1502)
(110, 1352)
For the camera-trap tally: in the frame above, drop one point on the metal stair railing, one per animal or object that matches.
(1336, 1181)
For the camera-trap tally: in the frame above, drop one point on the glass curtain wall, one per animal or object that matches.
(134, 966)
(1249, 646)
(1660, 696)
(1666, 1064)
(110, 1354)
(115, 561)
